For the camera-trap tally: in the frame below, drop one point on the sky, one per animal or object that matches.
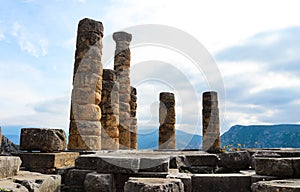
(252, 46)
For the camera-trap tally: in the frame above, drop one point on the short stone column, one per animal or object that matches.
(110, 111)
(134, 128)
(85, 126)
(122, 68)
(210, 122)
(167, 133)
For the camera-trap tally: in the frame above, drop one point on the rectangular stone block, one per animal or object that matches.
(154, 164)
(279, 167)
(99, 182)
(75, 178)
(28, 181)
(288, 185)
(40, 139)
(185, 178)
(202, 159)
(153, 185)
(85, 96)
(48, 160)
(256, 178)
(9, 166)
(88, 162)
(117, 164)
(221, 182)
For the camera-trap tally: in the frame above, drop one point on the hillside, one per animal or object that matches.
(263, 136)
(149, 140)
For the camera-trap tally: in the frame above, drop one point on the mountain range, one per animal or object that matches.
(252, 136)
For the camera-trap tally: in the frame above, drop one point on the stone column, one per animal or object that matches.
(167, 134)
(85, 126)
(110, 111)
(122, 68)
(134, 128)
(210, 122)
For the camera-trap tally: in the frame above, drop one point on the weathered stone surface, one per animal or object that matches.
(279, 167)
(122, 69)
(235, 161)
(221, 182)
(109, 143)
(290, 185)
(88, 162)
(83, 127)
(154, 184)
(185, 178)
(28, 181)
(256, 178)
(261, 154)
(42, 139)
(202, 160)
(99, 182)
(211, 122)
(154, 164)
(117, 164)
(75, 178)
(167, 136)
(9, 166)
(84, 142)
(87, 84)
(44, 161)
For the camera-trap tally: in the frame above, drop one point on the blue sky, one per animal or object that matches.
(255, 45)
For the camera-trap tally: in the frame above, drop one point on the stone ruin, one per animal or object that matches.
(103, 120)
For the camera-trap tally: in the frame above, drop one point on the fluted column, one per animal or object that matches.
(134, 128)
(110, 111)
(167, 120)
(85, 126)
(122, 68)
(210, 122)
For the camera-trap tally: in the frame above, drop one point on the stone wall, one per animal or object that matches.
(85, 126)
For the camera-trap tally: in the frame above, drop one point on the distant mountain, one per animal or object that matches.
(8, 147)
(148, 139)
(263, 136)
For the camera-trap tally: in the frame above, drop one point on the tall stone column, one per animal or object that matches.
(85, 126)
(134, 128)
(110, 111)
(210, 122)
(122, 68)
(167, 120)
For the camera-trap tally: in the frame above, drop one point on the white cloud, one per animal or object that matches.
(29, 41)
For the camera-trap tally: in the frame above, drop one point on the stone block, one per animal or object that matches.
(85, 96)
(48, 160)
(202, 159)
(154, 164)
(109, 75)
(75, 178)
(235, 161)
(108, 143)
(99, 182)
(290, 185)
(90, 79)
(84, 142)
(82, 127)
(114, 164)
(256, 178)
(279, 167)
(88, 162)
(185, 178)
(221, 182)
(28, 181)
(9, 166)
(153, 185)
(43, 139)
(90, 112)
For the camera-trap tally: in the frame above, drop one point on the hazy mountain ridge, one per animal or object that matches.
(263, 136)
